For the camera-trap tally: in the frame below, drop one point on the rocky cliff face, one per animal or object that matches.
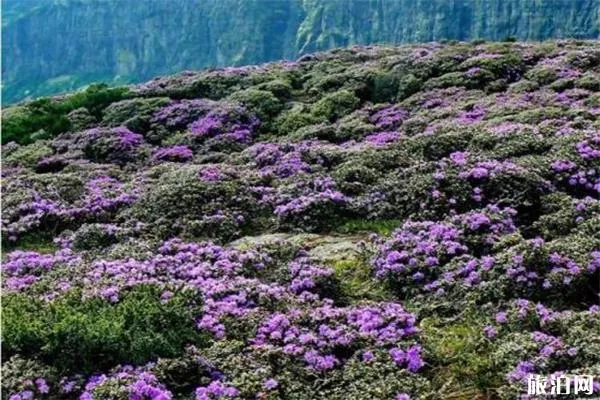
(56, 45)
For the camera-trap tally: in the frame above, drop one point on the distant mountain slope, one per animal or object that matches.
(57, 45)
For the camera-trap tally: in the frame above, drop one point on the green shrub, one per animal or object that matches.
(523, 86)
(81, 119)
(541, 75)
(50, 115)
(281, 89)
(261, 102)
(354, 177)
(135, 114)
(20, 124)
(335, 105)
(93, 236)
(589, 81)
(407, 86)
(30, 155)
(83, 336)
(180, 203)
(560, 85)
(295, 118)
(382, 86)
(435, 147)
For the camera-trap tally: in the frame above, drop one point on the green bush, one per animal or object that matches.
(560, 85)
(81, 119)
(382, 86)
(77, 336)
(523, 86)
(180, 203)
(295, 118)
(336, 105)
(407, 86)
(93, 236)
(541, 75)
(281, 89)
(29, 156)
(589, 81)
(50, 115)
(354, 177)
(261, 102)
(135, 114)
(20, 124)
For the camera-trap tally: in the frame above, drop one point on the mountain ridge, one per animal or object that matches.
(141, 41)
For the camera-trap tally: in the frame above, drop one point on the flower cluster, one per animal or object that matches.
(135, 383)
(228, 122)
(322, 337)
(174, 153)
(416, 252)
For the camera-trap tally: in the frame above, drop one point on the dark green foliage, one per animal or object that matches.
(335, 105)
(383, 86)
(261, 102)
(407, 86)
(281, 89)
(135, 113)
(541, 76)
(589, 81)
(182, 204)
(92, 236)
(90, 335)
(51, 115)
(435, 147)
(30, 155)
(297, 117)
(354, 177)
(81, 119)
(523, 86)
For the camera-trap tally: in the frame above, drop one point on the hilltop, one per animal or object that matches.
(373, 222)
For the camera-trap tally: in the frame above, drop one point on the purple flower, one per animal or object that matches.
(502, 317)
(42, 385)
(413, 356)
(174, 153)
(490, 331)
(270, 384)
(389, 118)
(383, 138)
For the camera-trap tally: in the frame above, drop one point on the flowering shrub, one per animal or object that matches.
(224, 126)
(126, 383)
(174, 153)
(547, 339)
(309, 204)
(322, 337)
(99, 198)
(416, 253)
(117, 145)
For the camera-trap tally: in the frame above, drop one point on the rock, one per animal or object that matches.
(325, 248)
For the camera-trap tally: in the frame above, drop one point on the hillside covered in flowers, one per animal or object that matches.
(416, 222)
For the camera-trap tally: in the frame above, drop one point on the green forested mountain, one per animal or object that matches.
(55, 45)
